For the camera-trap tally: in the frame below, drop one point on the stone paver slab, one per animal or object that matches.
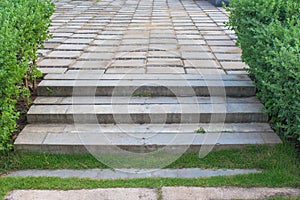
(191, 42)
(221, 49)
(221, 43)
(31, 138)
(107, 194)
(201, 63)
(164, 62)
(236, 72)
(83, 35)
(234, 65)
(162, 41)
(228, 57)
(72, 47)
(133, 173)
(204, 71)
(164, 54)
(53, 70)
(198, 48)
(43, 52)
(135, 41)
(61, 34)
(216, 37)
(78, 41)
(195, 193)
(125, 70)
(131, 55)
(197, 55)
(165, 70)
(97, 56)
(128, 63)
(87, 64)
(64, 54)
(106, 42)
(95, 72)
(164, 47)
(55, 62)
(108, 49)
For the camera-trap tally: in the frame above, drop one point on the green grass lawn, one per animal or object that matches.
(280, 165)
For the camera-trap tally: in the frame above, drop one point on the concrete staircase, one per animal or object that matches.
(77, 112)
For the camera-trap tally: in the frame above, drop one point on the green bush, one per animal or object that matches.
(269, 34)
(24, 28)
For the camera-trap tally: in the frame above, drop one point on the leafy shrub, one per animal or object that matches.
(23, 30)
(269, 34)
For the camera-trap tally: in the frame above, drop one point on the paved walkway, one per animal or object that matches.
(141, 36)
(133, 173)
(116, 37)
(166, 193)
(172, 49)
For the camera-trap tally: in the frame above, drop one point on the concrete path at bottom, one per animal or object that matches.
(167, 193)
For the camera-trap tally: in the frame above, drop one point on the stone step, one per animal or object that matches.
(105, 100)
(170, 138)
(231, 88)
(146, 128)
(94, 75)
(229, 112)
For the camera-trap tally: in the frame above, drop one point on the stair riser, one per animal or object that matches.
(146, 118)
(63, 91)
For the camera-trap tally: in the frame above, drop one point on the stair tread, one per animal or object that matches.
(147, 113)
(96, 100)
(91, 75)
(83, 138)
(151, 87)
(76, 138)
(149, 83)
(147, 108)
(140, 128)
